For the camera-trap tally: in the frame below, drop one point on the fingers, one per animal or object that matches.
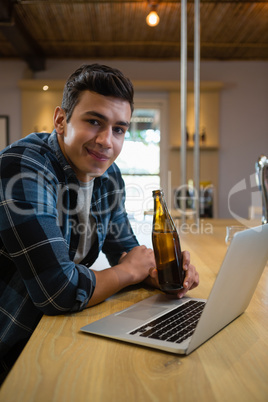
(140, 256)
(142, 259)
(191, 279)
(186, 260)
(151, 255)
(153, 273)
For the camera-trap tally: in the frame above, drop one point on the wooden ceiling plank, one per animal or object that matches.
(18, 37)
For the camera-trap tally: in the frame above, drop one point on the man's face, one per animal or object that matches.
(94, 136)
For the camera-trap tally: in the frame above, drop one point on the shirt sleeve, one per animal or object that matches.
(32, 236)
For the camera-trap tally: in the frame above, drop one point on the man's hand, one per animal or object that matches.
(191, 279)
(139, 262)
(133, 267)
(136, 266)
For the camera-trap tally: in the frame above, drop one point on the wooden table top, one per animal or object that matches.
(60, 363)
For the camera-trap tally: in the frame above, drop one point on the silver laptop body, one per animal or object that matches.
(232, 291)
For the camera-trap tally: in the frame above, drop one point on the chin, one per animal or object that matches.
(96, 173)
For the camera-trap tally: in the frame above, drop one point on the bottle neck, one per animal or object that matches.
(162, 219)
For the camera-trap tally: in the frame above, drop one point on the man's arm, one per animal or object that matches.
(138, 266)
(134, 268)
(32, 234)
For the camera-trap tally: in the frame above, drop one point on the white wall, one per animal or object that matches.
(243, 111)
(10, 105)
(243, 127)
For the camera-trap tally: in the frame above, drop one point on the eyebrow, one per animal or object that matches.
(92, 113)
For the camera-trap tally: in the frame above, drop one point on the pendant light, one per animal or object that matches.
(152, 18)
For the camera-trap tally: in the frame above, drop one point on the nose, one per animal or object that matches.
(104, 137)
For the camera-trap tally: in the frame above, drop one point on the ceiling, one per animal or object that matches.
(35, 30)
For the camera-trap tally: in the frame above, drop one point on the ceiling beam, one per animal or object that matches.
(72, 43)
(19, 38)
(34, 2)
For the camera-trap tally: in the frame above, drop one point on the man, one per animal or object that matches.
(61, 202)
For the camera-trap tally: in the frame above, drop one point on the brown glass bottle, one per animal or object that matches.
(166, 245)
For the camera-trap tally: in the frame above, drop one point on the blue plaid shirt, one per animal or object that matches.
(39, 237)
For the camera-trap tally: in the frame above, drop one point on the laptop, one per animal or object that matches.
(158, 321)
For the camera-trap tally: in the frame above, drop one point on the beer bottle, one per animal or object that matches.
(166, 245)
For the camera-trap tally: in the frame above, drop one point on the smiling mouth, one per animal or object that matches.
(97, 156)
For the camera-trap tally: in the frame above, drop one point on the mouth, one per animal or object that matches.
(97, 155)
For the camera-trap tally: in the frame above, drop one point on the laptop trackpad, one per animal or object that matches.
(142, 312)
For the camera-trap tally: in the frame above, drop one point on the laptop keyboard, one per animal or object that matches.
(174, 326)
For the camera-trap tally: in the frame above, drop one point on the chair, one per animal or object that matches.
(206, 199)
(261, 167)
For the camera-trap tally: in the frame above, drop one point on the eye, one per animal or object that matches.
(93, 122)
(119, 130)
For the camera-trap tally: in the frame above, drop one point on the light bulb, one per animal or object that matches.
(152, 19)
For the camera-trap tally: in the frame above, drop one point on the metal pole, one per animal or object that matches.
(197, 106)
(183, 103)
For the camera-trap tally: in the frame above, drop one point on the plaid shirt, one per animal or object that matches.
(39, 235)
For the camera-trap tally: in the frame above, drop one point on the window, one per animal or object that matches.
(139, 161)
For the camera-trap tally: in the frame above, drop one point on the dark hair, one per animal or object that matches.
(97, 78)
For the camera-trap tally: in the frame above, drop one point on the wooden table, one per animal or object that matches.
(60, 363)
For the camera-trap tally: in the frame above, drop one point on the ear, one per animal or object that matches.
(59, 120)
